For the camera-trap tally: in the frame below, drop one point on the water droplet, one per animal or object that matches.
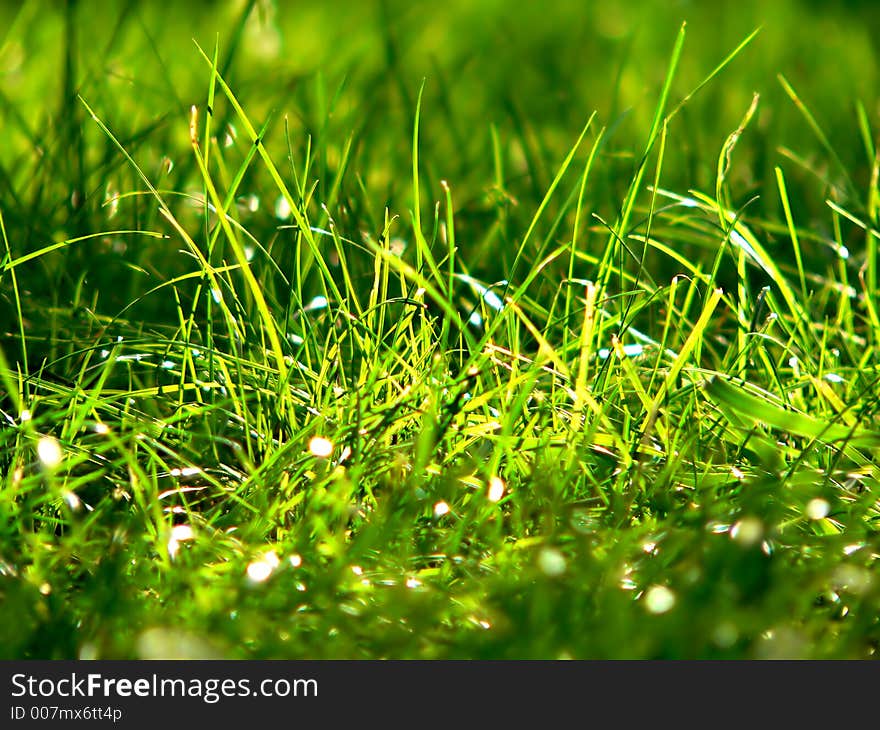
(318, 302)
(182, 533)
(552, 562)
(413, 583)
(834, 378)
(493, 300)
(628, 350)
(217, 295)
(441, 508)
(179, 534)
(718, 528)
(496, 489)
(49, 451)
(282, 208)
(185, 472)
(295, 560)
(489, 296)
(748, 531)
(659, 599)
(321, 447)
(72, 501)
(817, 509)
(25, 416)
(260, 570)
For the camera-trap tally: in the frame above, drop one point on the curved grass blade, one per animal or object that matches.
(767, 410)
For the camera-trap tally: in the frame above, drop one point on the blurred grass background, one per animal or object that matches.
(340, 70)
(516, 80)
(537, 73)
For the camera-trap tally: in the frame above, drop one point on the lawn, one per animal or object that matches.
(405, 330)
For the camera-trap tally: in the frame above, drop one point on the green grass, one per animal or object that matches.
(364, 330)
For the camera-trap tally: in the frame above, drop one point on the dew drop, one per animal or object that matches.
(179, 534)
(260, 570)
(49, 451)
(496, 489)
(321, 447)
(748, 531)
(72, 501)
(552, 562)
(318, 302)
(817, 509)
(659, 599)
(282, 208)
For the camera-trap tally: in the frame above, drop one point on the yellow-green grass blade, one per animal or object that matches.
(768, 410)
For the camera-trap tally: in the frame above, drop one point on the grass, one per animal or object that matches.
(349, 332)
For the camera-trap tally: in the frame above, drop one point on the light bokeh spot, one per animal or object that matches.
(49, 451)
(321, 447)
(659, 599)
(496, 489)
